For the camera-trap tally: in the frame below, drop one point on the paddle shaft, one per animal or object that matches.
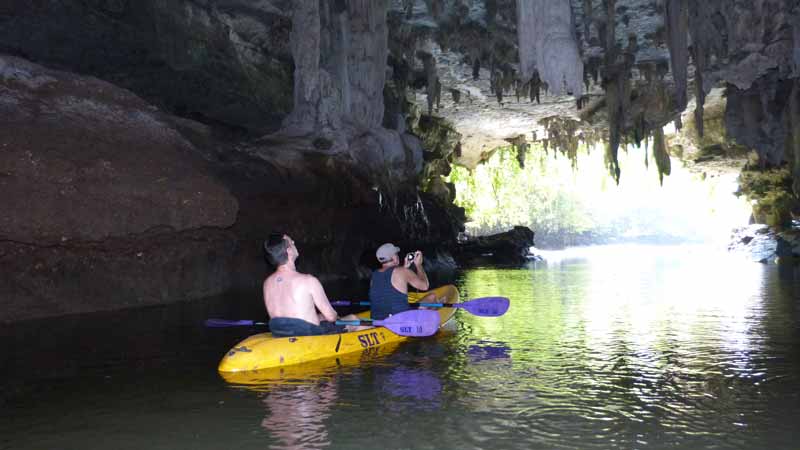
(484, 306)
(412, 305)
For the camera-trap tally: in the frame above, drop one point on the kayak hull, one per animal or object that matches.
(262, 351)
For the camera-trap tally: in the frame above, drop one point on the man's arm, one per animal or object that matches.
(320, 299)
(419, 279)
(264, 296)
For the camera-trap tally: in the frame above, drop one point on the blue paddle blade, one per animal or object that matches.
(416, 323)
(486, 306)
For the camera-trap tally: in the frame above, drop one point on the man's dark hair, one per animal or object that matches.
(275, 246)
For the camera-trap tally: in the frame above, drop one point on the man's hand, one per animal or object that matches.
(418, 258)
(418, 280)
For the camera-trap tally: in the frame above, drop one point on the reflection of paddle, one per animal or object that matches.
(221, 323)
(484, 306)
(407, 323)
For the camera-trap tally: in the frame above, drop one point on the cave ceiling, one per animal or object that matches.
(633, 66)
(640, 70)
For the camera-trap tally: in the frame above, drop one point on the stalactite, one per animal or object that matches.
(433, 86)
(456, 95)
(617, 97)
(661, 154)
(794, 129)
(588, 14)
(613, 83)
(435, 8)
(491, 11)
(565, 136)
(305, 47)
(336, 77)
(535, 87)
(408, 7)
(521, 146)
(610, 39)
(677, 23)
(705, 39)
(640, 129)
(364, 42)
(547, 42)
(698, 54)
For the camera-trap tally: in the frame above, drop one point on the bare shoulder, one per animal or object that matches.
(307, 279)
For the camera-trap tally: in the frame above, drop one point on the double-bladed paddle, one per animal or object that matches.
(416, 323)
(484, 306)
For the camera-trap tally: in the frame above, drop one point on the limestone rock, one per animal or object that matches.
(546, 30)
(222, 62)
(83, 159)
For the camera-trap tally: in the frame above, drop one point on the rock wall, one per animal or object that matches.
(85, 160)
(112, 203)
(221, 62)
(106, 204)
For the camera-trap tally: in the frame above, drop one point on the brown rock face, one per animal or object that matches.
(222, 62)
(82, 159)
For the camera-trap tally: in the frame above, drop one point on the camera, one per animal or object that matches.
(410, 256)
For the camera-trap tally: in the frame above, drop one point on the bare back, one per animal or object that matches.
(295, 295)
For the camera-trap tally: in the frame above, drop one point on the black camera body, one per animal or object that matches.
(410, 256)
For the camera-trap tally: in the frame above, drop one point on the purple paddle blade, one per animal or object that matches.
(486, 306)
(416, 323)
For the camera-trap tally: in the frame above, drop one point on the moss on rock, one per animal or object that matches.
(770, 190)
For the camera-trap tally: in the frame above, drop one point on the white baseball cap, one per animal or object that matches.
(386, 252)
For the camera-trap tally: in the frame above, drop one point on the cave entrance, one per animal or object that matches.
(573, 201)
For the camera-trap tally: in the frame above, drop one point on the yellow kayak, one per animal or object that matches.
(262, 351)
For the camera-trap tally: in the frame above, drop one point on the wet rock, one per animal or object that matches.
(761, 243)
(510, 247)
(757, 242)
(82, 159)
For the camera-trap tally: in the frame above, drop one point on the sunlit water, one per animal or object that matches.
(611, 347)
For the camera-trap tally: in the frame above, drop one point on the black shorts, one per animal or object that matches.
(286, 327)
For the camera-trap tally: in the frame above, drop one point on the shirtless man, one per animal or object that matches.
(293, 298)
(388, 289)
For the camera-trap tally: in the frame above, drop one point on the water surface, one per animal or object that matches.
(608, 347)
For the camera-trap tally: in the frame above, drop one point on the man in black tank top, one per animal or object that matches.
(388, 289)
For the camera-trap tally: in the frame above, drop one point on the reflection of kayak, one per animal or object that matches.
(262, 351)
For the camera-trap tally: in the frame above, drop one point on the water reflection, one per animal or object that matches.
(488, 350)
(673, 339)
(406, 389)
(296, 415)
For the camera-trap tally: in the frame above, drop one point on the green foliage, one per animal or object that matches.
(499, 194)
(565, 206)
(771, 191)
